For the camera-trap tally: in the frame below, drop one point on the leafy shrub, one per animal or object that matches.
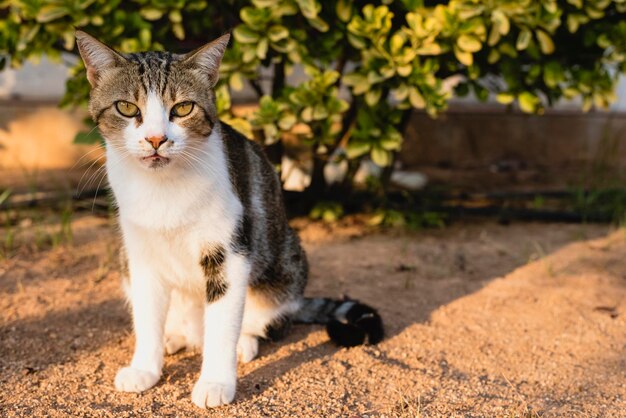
(387, 57)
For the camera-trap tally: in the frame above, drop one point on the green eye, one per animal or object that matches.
(127, 109)
(182, 109)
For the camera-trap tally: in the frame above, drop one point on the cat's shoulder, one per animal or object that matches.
(237, 144)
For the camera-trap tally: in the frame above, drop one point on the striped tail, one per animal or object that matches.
(347, 321)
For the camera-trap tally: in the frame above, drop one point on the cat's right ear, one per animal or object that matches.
(97, 56)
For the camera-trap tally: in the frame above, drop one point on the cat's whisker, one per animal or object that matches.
(99, 147)
(101, 168)
(124, 158)
(193, 157)
(85, 173)
(94, 176)
(100, 171)
(185, 156)
(205, 152)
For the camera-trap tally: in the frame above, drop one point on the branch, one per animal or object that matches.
(279, 79)
(257, 88)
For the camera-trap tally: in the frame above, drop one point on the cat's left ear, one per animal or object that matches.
(208, 58)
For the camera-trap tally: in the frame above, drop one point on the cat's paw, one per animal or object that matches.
(129, 379)
(247, 348)
(174, 343)
(210, 394)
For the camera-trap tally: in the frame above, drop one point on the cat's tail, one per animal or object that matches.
(347, 321)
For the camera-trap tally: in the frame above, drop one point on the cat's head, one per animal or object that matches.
(155, 108)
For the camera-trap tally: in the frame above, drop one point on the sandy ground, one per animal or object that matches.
(482, 320)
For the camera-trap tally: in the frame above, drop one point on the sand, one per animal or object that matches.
(482, 320)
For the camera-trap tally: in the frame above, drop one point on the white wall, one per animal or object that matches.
(42, 81)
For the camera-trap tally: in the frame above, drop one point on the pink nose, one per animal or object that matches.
(156, 141)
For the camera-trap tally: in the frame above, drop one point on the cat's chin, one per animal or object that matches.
(155, 161)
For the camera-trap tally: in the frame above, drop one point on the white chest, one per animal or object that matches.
(168, 220)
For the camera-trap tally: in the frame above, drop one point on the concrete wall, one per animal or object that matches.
(467, 137)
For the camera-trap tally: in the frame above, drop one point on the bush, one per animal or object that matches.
(388, 56)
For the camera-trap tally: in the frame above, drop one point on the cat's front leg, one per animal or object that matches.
(223, 314)
(149, 300)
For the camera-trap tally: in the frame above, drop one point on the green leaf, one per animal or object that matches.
(401, 93)
(464, 57)
(429, 49)
(545, 42)
(277, 32)
(307, 114)
(380, 157)
(319, 112)
(179, 31)
(416, 99)
(372, 97)
(405, 70)
(507, 49)
(319, 24)
(523, 39)
(175, 16)
(344, 10)
(287, 122)
(392, 141)
(494, 36)
(50, 13)
(500, 22)
(396, 42)
(69, 40)
(528, 102)
(5, 195)
(235, 81)
(494, 56)
(88, 138)
(309, 8)
(576, 3)
(357, 41)
(97, 20)
(553, 74)
(249, 54)
(505, 98)
(245, 35)
(261, 48)
(358, 82)
(573, 22)
(356, 149)
(468, 43)
(150, 13)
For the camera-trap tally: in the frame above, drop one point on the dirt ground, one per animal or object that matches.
(482, 320)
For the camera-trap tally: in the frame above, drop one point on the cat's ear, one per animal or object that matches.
(97, 56)
(208, 58)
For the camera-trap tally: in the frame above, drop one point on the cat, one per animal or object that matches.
(211, 261)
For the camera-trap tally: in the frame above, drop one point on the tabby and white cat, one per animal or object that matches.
(211, 260)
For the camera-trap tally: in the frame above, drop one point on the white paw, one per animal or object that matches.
(210, 395)
(129, 379)
(247, 348)
(174, 343)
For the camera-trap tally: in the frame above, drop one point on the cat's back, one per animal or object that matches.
(263, 227)
(251, 173)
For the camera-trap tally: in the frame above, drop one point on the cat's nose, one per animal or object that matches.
(156, 141)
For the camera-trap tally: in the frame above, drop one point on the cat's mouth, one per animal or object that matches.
(155, 160)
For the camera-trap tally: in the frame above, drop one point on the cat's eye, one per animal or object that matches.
(182, 109)
(127, 109)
